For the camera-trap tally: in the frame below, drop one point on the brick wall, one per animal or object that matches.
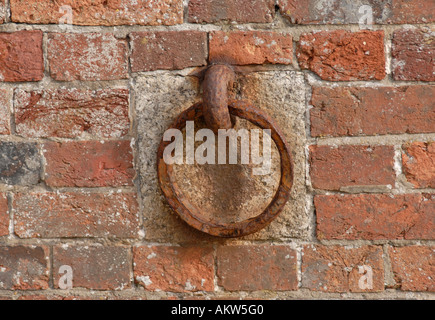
(84, 106)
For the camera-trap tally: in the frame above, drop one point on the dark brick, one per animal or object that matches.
(168, 50)
(413, 54)
(241, 11)
(24, 267)
(353, 111)
(262, 267)
(94, 267)
(20, 163)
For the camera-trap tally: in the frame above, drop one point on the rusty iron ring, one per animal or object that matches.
(192, 214)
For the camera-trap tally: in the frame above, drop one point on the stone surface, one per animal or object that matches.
(87, 56)
(335, 167)
(353, 111)
(72, 113)
(94, 267)
(419, 164)
(89, 164)
(24, 267)
(168, 50)
(21, 57)
(20, 163)
(343, 55)
(257, 267)
(72, 215)
(4, 215)
(342, 269)
(413, 267)
(5, 109)
(413, 54)
(99, 12)
(240, 11)
(375, 217)
(250, 47)
(174, 269)
(160, 99)
(2, 11)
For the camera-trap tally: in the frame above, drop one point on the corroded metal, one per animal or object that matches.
(218, 80)
(190, 213)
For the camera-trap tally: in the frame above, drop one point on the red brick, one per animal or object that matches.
(94, 267)
(335, 167)
(369, 111)
(175, 269)
(5, 107)
(419, 164)
(251, 47)
(24, 267)
(100, 12)
(211, 11)
(414, 267)
(375, 217)
(168, 50)
(413, 54)
(4, 215)
(73, 215)
(415, 11)
(339, 269)
(21, 56)
(71, 113)
(343, 55)
(257, 267)
(89, 164)
(89, 56)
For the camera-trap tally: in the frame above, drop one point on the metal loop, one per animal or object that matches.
(190, 213)
(218, 79)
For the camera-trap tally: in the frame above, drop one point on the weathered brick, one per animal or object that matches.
(342, 269)
(354, 111)
(175, 269)
(375, 217)
(251, 47)
(21, 56)
(72, 215)
(5, 108)
(333, 11)
(413, 54)
(89, 164)
(211, 11)
(415, 11)
(94, 267)
(348, 12)
(24, 267)
(343, 55)
(168, 50)
(257, 267)
(71, 113)
(4, 215)
(419, 164)
(414, 267)
(88, 56)
(333, 168)
(20, 163)
(100, 12)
